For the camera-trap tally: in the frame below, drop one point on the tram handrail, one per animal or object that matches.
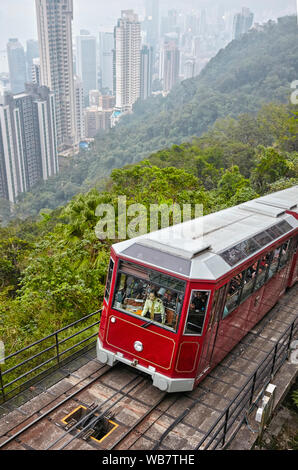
(57, 357)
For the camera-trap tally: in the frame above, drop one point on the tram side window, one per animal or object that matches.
(234, 293)
(109, 280)
(284, 254)
(196, 312)
(262, 274)
(245, 283)
(249, 281)
(274, 260)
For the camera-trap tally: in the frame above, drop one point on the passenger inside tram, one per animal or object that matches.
(243, 284)
(197, 312)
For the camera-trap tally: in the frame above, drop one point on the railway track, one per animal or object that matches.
(138, 415)
(67, 395)
(25, 432)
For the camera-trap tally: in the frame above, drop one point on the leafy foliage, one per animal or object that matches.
(53, 268)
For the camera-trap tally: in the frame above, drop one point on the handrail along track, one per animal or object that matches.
(61, 356)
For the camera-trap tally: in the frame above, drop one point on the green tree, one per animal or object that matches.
(231, 182)
(271, 166)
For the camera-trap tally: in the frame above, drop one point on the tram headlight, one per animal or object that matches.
(138, 346)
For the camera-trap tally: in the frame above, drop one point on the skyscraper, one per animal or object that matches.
(96, 120)
(189, 67)
(146, 72)
(242, 22)
(32, 52)
(79, 94)
(152, 22)
(170, 60)
(17, 65)
(28, 144)
(35, 71)
(54, 25)
(169, 24)
(127, 58)
(106, 47)
(86, 64)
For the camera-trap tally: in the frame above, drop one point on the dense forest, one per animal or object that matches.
(256, 69)
(53, 268)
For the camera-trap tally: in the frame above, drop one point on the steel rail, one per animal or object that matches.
(139, 421)
(54, 408)
(96, 418)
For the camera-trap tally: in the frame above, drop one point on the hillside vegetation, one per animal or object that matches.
(254, 70)
(53, 269)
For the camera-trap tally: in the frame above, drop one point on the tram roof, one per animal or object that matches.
(210, 246)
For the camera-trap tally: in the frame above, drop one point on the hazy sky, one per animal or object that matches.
(17, 17)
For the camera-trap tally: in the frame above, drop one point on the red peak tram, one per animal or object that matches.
(177, 302)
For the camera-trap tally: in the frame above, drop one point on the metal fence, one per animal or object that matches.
(44, 355)
(231, 419)
(225, 427)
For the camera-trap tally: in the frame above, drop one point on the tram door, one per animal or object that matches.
(209, 353)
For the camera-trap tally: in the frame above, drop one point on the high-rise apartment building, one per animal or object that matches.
(4, 61)
(146, 72)
(28, 144)
(189, 68)
(170, 62)
(169, 24)
(32, 52)
(127, 60)
(4, 83)
(242, 22)
(151, 22)
(54, 25)
(80, 122)
(106, 48)
(106, 102)
(17, 65)
(35, 71)
(94, 97)
(86, 63)
(96, 119)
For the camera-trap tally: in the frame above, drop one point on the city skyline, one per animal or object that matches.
(95, 78)
(95, 16)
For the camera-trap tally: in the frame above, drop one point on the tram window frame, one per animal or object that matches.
(215, 301)
(271, 271)
(251, 283)
(283, 259)
(127, 268)
(202, 326)
(218, 304)
(238, 291)
(109, 280)
(264, 272)
(268, 274)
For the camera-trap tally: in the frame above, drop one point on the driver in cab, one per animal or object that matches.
(155, 308)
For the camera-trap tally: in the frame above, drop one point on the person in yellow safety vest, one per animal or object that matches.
(155, 307)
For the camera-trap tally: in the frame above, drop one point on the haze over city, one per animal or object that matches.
(18, 19)
(72, 70)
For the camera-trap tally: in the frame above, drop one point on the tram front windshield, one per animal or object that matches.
(150, 294)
